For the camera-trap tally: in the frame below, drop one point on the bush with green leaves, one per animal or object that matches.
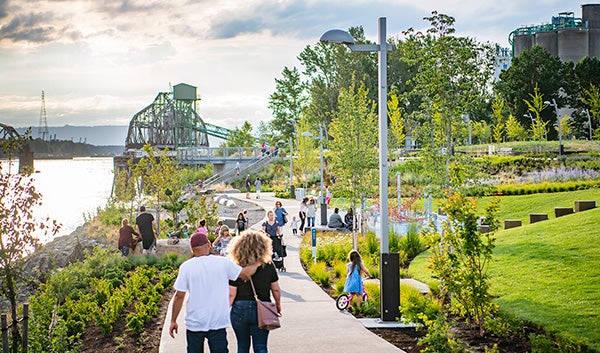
(416, 307)
(318, 272)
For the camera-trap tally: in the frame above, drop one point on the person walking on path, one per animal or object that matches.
(250, 247)
(328, 196)
(311, 211)
(302, 213)
(241, 224)
(280, 213)
(126, 241)
(248, 186)
(354, 283)
(294, 225)
(147, 228)
(206, 277)
(258, 186)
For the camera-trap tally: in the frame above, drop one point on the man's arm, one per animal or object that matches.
(177, 304)
(155, 229)
(249, 270)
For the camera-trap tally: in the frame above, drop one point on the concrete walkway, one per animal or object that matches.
(311, 323)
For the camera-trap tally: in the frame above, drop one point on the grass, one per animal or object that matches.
(519, 207)
(548, 272)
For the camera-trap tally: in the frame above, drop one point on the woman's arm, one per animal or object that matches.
(232, 294)
(276, 295)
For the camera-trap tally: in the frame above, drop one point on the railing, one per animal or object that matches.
(191, 154)
(229, 174)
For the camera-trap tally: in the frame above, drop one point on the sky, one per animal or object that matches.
(99, 62)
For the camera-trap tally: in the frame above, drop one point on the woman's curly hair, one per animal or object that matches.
(249, 247)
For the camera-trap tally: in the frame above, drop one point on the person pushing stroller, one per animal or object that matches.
(273, 229)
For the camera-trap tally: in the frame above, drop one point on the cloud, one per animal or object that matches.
(3, 5)
(31, 27)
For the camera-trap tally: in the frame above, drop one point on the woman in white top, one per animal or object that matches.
(302, 213)
(311, 211)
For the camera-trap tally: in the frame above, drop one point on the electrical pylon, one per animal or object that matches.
(43, 128)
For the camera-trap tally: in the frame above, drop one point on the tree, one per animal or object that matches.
(514, 130)
(452, 73)
(354, 144)
(591, 101)
(157, 176)
(307, 159)
(535, 106)
(396, 124)
(460, 257)
(241, 137)
(19, 227)
(287, 102)
(533, 68)
(499, 127)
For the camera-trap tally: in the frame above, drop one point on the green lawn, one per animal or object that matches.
(547, 272)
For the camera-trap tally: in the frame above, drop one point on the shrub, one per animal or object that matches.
(416, 307)
(318, 272)
(412, 244)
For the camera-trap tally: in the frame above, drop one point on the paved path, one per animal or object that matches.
(310, 323)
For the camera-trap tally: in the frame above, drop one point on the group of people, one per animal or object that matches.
(335, 220)
(147, 233)
(248, 186)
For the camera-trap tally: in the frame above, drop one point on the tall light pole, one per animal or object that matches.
(323, 203)
(291, 189)
(589, 122)
(389, 262)
(560, 144)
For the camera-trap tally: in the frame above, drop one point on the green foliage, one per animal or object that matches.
(439, 339)
(460, 259)
(416, 307)
(287, 102)
(412, 244)
(111, 214)
(202, 207)
(319, 274)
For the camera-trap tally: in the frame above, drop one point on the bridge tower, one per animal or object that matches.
(43, 127)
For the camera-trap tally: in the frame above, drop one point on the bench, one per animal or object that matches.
(512, 223)
(562, 211)
(505, 151)
(537, 217)
(584, 205)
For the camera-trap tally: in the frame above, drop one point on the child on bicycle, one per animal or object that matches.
(354, 283)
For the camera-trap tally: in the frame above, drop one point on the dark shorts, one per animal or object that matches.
(125, 250)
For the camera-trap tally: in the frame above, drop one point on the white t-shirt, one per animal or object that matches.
(206, 278)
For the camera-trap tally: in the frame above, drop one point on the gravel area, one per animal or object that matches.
(255, 212)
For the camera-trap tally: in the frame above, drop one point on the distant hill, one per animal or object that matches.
(106, 135)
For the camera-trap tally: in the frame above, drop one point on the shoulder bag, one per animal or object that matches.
(268, 317)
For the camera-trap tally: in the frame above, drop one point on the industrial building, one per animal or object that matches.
(568, 37)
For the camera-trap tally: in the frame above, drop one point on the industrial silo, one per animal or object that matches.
(549, 41)
(591, 20)
(573, 44)
(523, 42)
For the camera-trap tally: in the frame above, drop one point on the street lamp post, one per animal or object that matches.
(389, 262)
(589, 122)
(291, 188)
(560, 144)
(323, 203)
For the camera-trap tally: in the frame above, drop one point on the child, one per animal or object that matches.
(202, 227)
(218, 229)
(223, 240)
(294, 225)
(354, 283)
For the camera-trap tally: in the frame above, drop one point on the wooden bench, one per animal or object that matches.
(584, 205)
(562, 211)
(537, 217)
(512, 223)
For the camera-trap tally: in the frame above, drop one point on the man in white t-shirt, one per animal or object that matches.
(206, 278)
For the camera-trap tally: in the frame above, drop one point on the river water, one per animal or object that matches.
(70, 188)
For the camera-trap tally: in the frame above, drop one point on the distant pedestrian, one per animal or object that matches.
(248, 186)
(240, 223)
(328, 196)
(294, 225)
(237, 168)
(257, 185)
(148, 230)
(311, 212)
(302, 213)
(126, 241)
(280, 213)
(202, 227)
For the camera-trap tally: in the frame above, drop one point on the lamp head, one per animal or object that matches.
(337, 36)
(307, 134)
(548, 102)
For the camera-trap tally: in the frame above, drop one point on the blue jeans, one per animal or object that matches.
(311, 222)
(217, 341)
(244, 321)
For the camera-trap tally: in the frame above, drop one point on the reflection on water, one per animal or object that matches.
(71, 188)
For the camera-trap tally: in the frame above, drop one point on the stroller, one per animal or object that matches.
(279, 252)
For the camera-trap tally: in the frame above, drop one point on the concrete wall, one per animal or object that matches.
(590, 14)
(548, 40)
